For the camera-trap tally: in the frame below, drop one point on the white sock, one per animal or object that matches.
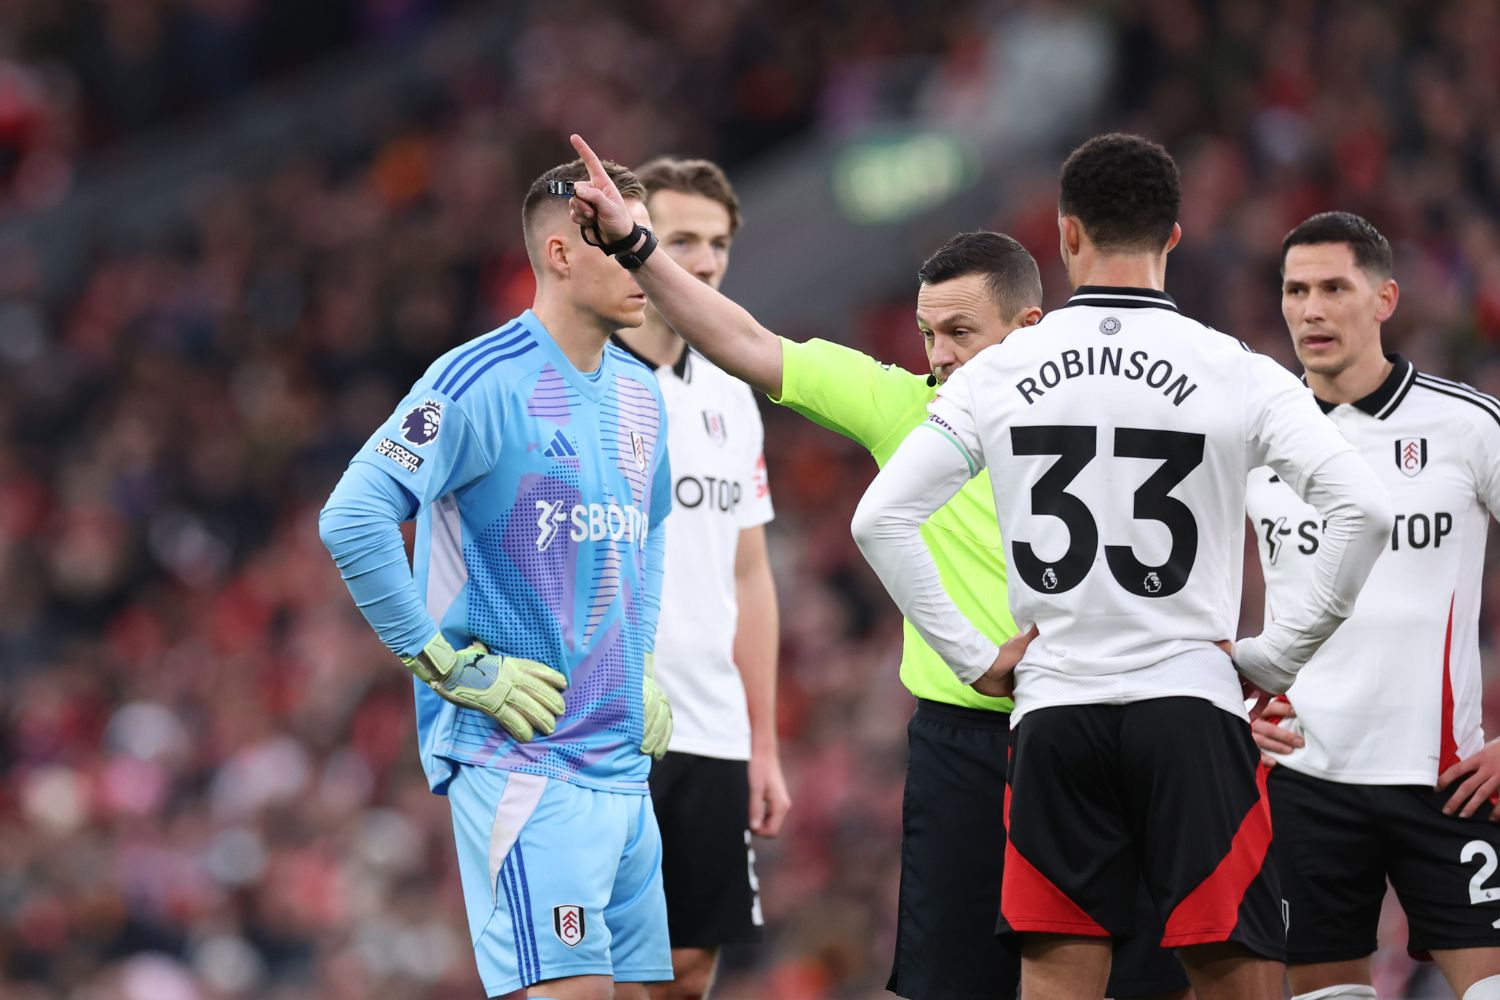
(1485, 989)
(1346, 991)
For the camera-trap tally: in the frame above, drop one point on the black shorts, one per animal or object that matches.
(1336, 844)
(952, 859)
(707, 864)
(1168, 790)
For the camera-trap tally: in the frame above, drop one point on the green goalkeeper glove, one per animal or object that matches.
(658, 731)
(521, 695)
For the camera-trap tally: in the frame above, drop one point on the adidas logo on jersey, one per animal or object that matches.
(560, 447)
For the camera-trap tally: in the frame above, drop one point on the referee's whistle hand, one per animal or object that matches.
(999, 680)
(597, 200)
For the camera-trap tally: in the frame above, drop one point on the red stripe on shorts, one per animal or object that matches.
(1210, 912)
(1030, 902)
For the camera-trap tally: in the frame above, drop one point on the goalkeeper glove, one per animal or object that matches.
(521, 695)
(658, 731)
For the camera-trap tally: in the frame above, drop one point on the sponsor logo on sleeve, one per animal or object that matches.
(421, 423)
(933, 418)
(401, 456)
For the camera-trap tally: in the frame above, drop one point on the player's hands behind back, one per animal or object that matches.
(521, 695)
(999, 681)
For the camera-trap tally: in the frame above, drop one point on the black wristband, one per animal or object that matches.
(631, 261)
(618, 246)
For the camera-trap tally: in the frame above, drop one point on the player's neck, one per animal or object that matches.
(1122, 270)
(1354, 383)
(654, 340)
(579, 334)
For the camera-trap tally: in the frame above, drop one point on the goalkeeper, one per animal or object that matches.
(973, 291)
(534, 461)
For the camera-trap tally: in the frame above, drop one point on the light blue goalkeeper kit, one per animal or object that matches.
(539, 493)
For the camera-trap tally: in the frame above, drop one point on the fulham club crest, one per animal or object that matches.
(1411, 455)
(713, 423)
(638, 445)
(567, 921)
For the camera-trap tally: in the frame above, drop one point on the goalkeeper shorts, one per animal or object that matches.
(559, 880)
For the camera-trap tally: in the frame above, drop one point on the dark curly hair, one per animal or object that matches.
(1371, 251)
(1125, 191)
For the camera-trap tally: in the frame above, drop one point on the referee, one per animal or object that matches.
(1385, 772)
(974, 291)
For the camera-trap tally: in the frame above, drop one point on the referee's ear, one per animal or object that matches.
(1029, 316)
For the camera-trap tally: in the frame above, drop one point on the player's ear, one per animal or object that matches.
(1387, 296)
(1173, 239)
(1070, 232)
(1030, 316)
(557, 256)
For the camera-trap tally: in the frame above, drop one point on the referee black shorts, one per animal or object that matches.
(1337, 844)
(702, 807)
(952, 863)
(1168, 789)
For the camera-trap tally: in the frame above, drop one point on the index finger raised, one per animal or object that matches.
(598, 176)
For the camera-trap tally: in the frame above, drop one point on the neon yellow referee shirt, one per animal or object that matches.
(877, 405)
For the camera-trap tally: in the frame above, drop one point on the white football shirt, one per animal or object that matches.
(1118, 434)
(715, 443)
(1394, 696)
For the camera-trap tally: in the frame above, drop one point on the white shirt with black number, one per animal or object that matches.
(1394, 696)
(1118, 433)
(719, 487)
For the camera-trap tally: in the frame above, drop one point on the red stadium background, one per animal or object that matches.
(233, 231)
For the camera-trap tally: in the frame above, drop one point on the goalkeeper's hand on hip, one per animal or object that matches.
(658, 711)
(521, 695)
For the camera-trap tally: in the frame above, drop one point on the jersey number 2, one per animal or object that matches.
(1075, 447)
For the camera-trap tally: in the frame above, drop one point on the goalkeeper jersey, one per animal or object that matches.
(876, 405)
(540, 492)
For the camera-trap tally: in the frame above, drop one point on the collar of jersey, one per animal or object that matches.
(679, 367)
(1383, 401)
(1120, 297)
(592, 388)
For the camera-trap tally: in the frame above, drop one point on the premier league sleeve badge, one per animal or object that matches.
(421, 423)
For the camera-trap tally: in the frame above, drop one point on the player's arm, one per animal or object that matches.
(360, 525)
(1290, 434)
(755, 647)
(724, 332)
(1477, 776)
(931, 466)
(758, 629)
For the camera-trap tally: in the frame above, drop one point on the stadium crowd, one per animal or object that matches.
(208, 779)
